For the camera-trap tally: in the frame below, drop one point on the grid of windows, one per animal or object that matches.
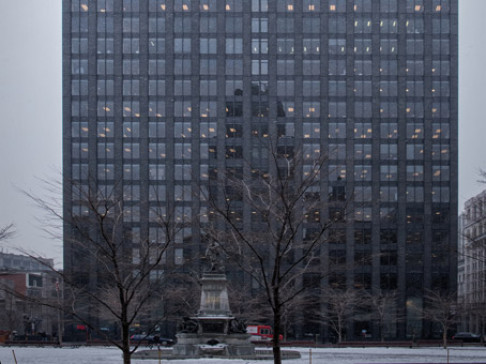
(163, 93)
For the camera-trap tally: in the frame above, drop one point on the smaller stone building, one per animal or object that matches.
(23, 277)
(472, 264)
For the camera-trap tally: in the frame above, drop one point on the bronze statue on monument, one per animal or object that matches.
(216, 256)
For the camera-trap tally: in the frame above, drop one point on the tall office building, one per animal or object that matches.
(160, 95)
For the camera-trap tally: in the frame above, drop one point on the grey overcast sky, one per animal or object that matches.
(30, 104)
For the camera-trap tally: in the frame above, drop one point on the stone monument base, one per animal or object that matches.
(213, 346)
(214, 332)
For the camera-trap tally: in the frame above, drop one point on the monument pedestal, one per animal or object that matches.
(214, 332)
(213, 345)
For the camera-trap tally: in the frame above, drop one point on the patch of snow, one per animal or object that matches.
(111, 355)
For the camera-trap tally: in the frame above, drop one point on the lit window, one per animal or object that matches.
(332, 7)
(290, 7)
(185, 7)
(438, 8)
(418, 7)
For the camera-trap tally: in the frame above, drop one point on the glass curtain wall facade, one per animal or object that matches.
(159, 95)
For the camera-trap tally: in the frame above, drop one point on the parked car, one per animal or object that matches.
(152, 339)
(467, 337)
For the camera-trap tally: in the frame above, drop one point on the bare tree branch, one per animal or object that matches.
(119, 276)
(7, 232)
(277, 252)
(442, 309)
(339, 305)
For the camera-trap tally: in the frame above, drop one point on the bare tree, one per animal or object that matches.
(6, 232)
(339, 308)
(292, 314)
(252, 309)
(287, 228)
(118, 275)
(381, 304)
(441, 308)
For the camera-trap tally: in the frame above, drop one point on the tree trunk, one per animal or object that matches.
(340, 331)
(382, 329)
(444, 337)
(127, 355)
(277, 354)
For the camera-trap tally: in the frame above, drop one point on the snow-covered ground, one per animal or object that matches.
(108, 355)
